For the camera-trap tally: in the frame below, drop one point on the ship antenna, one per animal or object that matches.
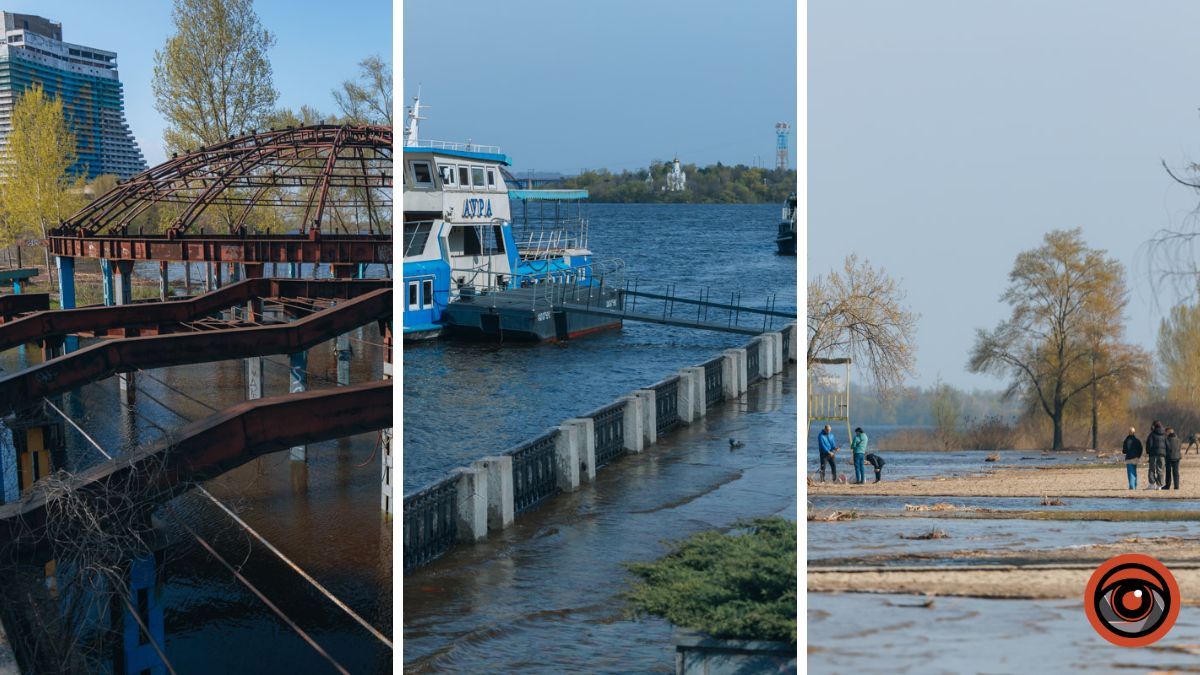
(414, 115)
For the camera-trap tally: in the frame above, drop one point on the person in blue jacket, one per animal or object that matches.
(826, 447)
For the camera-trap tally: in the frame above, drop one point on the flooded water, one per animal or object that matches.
(545, 596)
(868, 633)
(324, 514)
(466, 401)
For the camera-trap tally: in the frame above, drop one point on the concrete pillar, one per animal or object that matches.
(341, 349)
(385, 479)
(472, 507)
(298, 382)
(699, 394)
(387, 348)
(123, 287)
(585, 442)
(649, 415)
(209, 284)
(254, 378)
(10, 490)
(137, 654)
(164, 286)
(187, 278)
(793, 346)
(566, 457)
(106, 280)
(733, 373)
(217, 274)
(500, 509)
(686, 400)
(632, 424)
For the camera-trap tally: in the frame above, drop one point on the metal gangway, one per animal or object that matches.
(603, 289)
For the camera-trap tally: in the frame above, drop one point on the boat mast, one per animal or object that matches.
(414, 114)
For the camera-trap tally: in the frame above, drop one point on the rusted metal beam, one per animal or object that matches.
(110, 357)
(15, 304)
(210, 447)
(164, 317)
(344, 249)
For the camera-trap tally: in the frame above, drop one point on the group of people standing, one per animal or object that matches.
(827, 448)
(1163, 451)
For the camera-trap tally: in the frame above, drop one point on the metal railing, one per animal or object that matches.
(608, 430)
(535, 472)
(454, 145)
(714, 382)
(753, 354)
(430, 522)
(666, 404)
(544, 289)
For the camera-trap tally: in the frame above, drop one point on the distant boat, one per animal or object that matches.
(786, 241)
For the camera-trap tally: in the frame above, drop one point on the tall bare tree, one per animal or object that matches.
(1064, 335)
(369, 99)
(860, 313)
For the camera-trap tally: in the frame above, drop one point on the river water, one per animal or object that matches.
(466, 401)
(323, 514)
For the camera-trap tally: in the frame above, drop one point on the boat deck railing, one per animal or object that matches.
(453, 145)
(542, 289)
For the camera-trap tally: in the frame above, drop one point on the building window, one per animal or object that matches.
(427, 294)
(491, 179)
(414, 302)
(422, 174)
(464, 176)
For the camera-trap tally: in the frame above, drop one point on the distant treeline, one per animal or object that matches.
(916, 406)
(713, 184)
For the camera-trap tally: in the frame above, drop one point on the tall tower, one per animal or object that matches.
(85, 78)
(781, 146)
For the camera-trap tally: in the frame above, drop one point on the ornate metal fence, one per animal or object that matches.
(666, 404)
(714, 385)
(430, 524)
(609, 431)
(535, 473)
(753, 351)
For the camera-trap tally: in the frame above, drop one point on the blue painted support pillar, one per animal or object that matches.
(294, 270)
(137, 653)
(298, 382)
(124, 288)
(10, 490)
(106, 272)
(66, 290)
(16, 286)
(362, 270)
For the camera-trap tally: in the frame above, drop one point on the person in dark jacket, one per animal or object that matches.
(876, 463)
(1133, 453)
(1174, 454)
(1156, 450)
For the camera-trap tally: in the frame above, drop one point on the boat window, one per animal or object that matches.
(422, 174)
(413, 302)
(491, 178)
(415, 236)
(482, 240)
(448, 175)
(464, 176)
(427, 293)
(477, 176)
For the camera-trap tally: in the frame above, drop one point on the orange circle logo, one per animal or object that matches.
(1132, 600)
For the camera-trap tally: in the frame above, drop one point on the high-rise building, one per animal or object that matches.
(85, 78)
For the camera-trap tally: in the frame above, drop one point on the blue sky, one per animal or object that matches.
(945, 137)
(561, 86)
(318, 45)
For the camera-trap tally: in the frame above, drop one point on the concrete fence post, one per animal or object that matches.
(566, 456)
(500, 490)
(774, 348)
(472, 507)
(699, 392)
(686, 397)
(586, 442)
(729, 379)
(649, 415)
(736, 377)
(793, 342)
(632, 424)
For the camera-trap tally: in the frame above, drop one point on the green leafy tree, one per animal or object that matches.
(369, 99)
(945, 409)
(38, 192)
(1064, 335)
(1179, 353)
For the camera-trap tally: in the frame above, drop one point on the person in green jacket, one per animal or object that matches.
(859, 447)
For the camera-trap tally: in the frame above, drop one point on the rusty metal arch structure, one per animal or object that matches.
(302, 164)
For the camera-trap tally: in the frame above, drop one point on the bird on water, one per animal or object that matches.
(733, 445)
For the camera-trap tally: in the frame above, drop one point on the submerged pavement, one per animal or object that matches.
(546, 594)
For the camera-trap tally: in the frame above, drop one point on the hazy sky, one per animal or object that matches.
(564, 85)
(314, 51)
(945, 137)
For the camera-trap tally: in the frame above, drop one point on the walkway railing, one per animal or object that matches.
(563, 457)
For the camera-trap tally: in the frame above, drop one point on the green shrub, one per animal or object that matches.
(740, 585)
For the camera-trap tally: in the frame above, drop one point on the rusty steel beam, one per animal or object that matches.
(153, 318)
(343, 249)
(210, 447)
(108, 358)
(15, 304)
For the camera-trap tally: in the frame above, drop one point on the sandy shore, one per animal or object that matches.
(1090, 480)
